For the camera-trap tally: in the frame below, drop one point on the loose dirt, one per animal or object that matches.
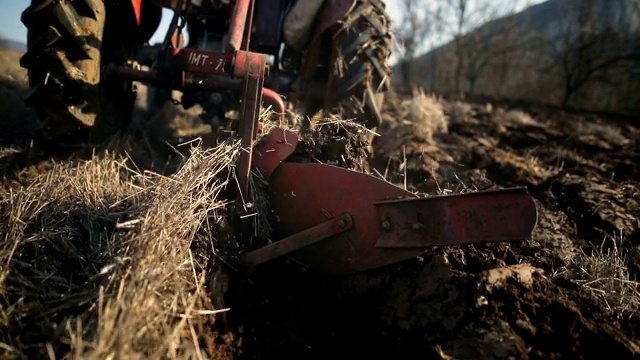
(335, 142)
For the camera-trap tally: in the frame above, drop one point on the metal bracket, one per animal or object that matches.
(248, 127)
(488, 216)
(298, 241)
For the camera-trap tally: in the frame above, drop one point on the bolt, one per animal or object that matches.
(342, 224)
(386, 225)
(417, 226)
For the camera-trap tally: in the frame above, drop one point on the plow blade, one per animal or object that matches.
(387, 224)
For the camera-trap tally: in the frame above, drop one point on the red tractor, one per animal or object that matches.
(84, 54)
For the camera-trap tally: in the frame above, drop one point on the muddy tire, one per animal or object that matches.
(63, 59)
(360, 70)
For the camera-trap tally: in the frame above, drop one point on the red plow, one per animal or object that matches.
(338, 221)
(333, 220)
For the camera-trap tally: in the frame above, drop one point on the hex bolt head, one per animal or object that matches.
(386, 225)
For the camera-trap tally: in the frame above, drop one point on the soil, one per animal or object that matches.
(493, 301)
(338, 142)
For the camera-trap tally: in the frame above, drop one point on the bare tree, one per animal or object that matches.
(495, 43)
(413, 27)
(475, 43)
(586, 52)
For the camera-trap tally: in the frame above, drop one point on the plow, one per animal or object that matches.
(332, 220)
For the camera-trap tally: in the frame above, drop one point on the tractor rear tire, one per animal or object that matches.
(360, 70)
(63, 60)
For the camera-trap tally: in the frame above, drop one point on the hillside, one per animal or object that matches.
(579, 53)
(12, 45)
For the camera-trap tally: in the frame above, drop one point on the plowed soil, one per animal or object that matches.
(558, 295)
(550, 297)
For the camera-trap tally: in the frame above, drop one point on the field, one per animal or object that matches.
(119, 254)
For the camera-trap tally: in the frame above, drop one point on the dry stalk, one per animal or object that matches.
(165, 277)
(604, 275)
(99, 261)
(348, 125)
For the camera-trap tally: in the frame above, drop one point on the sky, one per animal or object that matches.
(10, 26)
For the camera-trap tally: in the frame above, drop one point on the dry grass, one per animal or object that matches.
(99, 261)
(424, 114)
(603, 274)
(517, 118)
(459, 112)
(609, 133)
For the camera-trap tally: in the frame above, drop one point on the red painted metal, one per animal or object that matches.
(304, 195)
(238, 22)
(206, 62)
(272, 149)
(318, 233)
(277, 104)
(137, 10)
(488, 216)
(245, 62)
(248, 127)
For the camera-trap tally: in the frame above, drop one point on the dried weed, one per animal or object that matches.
(459, 112)
(604, 275)
(517, 117)
(99, 261)
(424, 114)
(608, 133)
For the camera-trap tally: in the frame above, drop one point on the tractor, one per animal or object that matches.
(313, 55)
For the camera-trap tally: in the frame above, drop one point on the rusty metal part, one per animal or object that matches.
(318, 233)
(488, 216)
(248, 127)
(246, 40)
(272, 150)
(206, 62)
(275, 100)
(183, 82)
(243, 60)
(238, 22)
(303, 195)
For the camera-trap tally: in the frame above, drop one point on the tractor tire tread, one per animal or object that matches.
(363, 49)
(63, 64)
